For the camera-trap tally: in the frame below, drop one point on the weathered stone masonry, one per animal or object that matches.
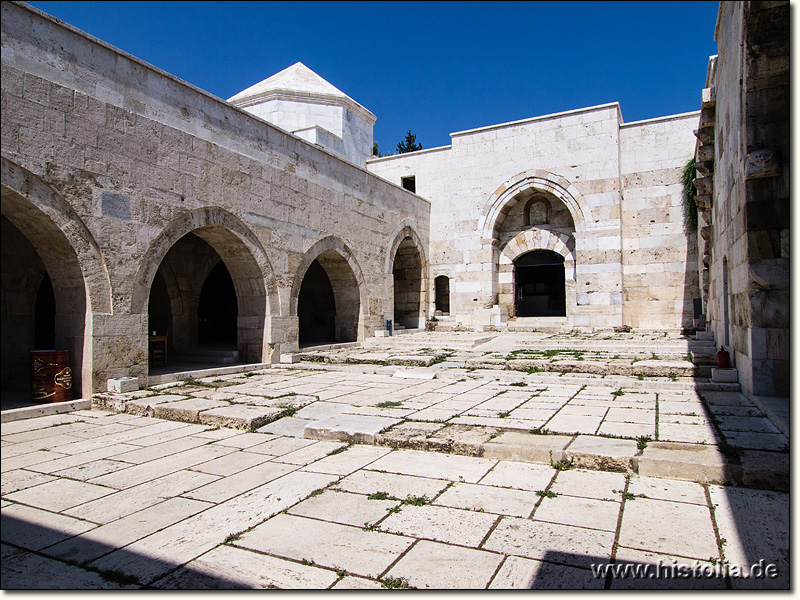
(108, 163)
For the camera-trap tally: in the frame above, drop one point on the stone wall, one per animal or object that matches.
(748, 220)
(659, 252)
(108, 162)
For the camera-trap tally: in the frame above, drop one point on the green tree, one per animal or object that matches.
(375, 150)
(409, 144)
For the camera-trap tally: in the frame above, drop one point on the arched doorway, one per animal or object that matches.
(326, 295)
(44, 299)
(442, 301)
(408, 290)
(539, 283)
(193, 302)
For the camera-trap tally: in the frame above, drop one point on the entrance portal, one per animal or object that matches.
(539, 284)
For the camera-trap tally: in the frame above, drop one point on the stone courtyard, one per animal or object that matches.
(407, 462)
(488, 365)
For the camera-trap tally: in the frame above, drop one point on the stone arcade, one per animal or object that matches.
(134, 203)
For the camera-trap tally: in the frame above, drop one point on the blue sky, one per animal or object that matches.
(434, 68)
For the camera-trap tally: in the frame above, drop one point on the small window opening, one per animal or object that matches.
(409, 183)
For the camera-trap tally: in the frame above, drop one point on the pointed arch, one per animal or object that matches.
(346, 280)
(247, 262)
(506, 197)
(406, 228)
(35, 208)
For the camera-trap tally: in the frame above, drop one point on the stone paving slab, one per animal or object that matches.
(357, 429)
(225, 488)
(693, 462)
(140, 497)
(755, 528)
(440, 523)
(602, 454)
(489, 499)
(398, 486)
(239, 416)
(526, 447)
(521, 476)
(344, 508)
(102, 540)
(27, 571)
(60, 494)
(574, 546)
(430, 565)
(35, 529)
(662, 527)
(228, 567)
(437, 466)
(527, 574)
(366, 553)
(344, 463)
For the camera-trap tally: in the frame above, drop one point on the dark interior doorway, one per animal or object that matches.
(218, 309)
(539, 284)
(316, 308)
(443, 294)
(159, 309)
(44, 322)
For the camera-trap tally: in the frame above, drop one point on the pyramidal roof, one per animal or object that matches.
(297, 82)
(297, 78)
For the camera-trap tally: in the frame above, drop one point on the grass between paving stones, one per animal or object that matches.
(642, 441)
(546, 494)
(396, 583)
(338, 450)
(562, 464)
(196, 382)
(389, 404)
(409, 499)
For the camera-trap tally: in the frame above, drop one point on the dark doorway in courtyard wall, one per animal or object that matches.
(407, 276)
(442, 294)
(539, 284)
(316, 307)
(218, 310)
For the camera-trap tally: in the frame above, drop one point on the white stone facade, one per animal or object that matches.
(612, 194)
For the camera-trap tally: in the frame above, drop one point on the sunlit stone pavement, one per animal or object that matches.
(362, 476)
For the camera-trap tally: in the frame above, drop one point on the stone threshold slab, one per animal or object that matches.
(43, 410)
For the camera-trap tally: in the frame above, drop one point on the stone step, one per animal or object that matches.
(204, 356)
(691, 462)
